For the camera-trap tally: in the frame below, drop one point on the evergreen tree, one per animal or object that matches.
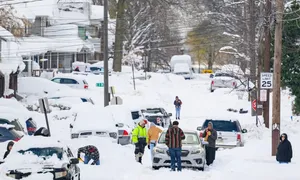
(291, 52)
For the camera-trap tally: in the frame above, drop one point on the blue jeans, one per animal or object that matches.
(177, 112)
(87, 160)
(175, 154)
(152, 145)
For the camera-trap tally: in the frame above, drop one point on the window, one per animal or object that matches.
(135, 115)
(69, 153)
(44, 152)
(84, 82)
(75, 136)
(101, 133)
(57, 80)
(153, 111)
(68, 81)
(86, 133)
(222, 125)
(190, 138)
(82, 33)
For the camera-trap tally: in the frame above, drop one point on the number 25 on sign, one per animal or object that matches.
(266, 80)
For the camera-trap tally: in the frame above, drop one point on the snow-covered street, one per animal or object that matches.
(253, 161)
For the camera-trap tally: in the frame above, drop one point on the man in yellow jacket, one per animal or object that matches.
(140, 139)
(153, 134)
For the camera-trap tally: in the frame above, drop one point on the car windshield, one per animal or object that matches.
(152, 111)
(44, 152)
(190, 138)
(222, 125)
(222, 75)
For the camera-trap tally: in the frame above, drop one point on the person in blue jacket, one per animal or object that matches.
(177, 104)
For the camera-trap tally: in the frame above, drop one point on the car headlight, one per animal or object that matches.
(158, 150)
(197, 151)
(60, 174)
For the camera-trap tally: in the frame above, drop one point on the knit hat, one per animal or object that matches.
(175, 123)
(143, 122)
(210, 123)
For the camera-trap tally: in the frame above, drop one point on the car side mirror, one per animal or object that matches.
(199, 128)
(74, 161)
(170, 114)
(120, 125)
(244, 131)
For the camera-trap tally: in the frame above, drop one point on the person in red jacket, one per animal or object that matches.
(173, 140)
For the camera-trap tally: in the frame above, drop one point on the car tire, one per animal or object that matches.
(155, 167)
(78, 178)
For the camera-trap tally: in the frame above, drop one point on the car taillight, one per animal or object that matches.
(125, 133)
(17, 139)
(86, 86)
(233, 83)
(238, 137)
(201, 133)
(212, 82)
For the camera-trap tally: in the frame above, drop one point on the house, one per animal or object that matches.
(11, 64)
(59, 34)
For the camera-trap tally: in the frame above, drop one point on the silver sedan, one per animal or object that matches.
(192, 154)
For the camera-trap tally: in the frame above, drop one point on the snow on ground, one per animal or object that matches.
(198, 104)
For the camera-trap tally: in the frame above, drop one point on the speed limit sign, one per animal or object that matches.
(266, 80)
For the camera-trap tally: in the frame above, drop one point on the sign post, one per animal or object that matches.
(44, 107)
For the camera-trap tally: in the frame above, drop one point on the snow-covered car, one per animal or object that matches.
(97, 133)
(8, 133)
(192, 154)
(230, 133)
(223, 80)
(71, 99)
(121, 116)
(36, 155)
(76, 82)
(158, 116)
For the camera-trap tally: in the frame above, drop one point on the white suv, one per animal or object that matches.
(73, 82)
(230, 133)
(223, 80)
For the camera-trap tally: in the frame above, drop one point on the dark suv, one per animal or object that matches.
(158, 116)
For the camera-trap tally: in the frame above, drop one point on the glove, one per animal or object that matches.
(148, 146)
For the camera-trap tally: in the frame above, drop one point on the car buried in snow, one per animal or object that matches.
(158, 116)
(41, 155)
(230, 133)
(192, 153)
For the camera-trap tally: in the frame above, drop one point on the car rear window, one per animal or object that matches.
(153, 111)
(222, 125)
(135, 115)
(15, 133)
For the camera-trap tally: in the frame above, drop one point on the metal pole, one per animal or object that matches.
(133, 77)
(277, 76)
(105, 37)
(46, 117)
(256, 114)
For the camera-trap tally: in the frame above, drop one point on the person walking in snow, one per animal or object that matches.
(177, 104)
(90, 153)
(153, 134)
(8, 149)
(210, 135)
(140, 139)
(284, 150)
(173, 140)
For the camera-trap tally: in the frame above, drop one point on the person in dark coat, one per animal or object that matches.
(210, 135)
(284, 150)
(177, 104)
(173, 139)
(77, 69)
(9, 147)
(90, 153)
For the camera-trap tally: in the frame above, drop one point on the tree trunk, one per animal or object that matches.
(119, 37)
(210, 57)
(252, 41)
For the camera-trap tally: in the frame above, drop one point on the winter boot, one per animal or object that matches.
(137, 157)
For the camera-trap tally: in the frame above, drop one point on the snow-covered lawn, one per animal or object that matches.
(253, 161)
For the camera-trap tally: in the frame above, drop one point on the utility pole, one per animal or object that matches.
(252, 52)
(277, 76)
(105, 37)
(267, 59)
